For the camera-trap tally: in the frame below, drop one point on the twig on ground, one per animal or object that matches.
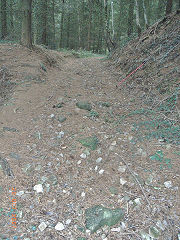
(137, 182)
(130, 233)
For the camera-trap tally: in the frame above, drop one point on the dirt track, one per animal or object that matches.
(40, 149)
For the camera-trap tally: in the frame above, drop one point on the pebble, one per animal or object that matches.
(52, 116)
(116, 229)
(60, 135)
(122, 181)
(101, 171)
(83, 155)
(103, 236)
(122, 169)
(113, 143)
(42, 226)
(38, 188)
(99, 160)
(83, 194)
(96, 168)
(79, 162)
(59, 226)
(99, 151)
(68, 221)
(20, 193)
(168, 184)
(168, 146)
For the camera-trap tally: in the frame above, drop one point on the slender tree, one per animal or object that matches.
(53, 34)
(169, 6)
(138, 18)
(26, 35)
(112, 21)
(130, 17)
(11, 15)
(44, 23)
(62, 24)
(89, 26)
(4, 19)
(145, 15)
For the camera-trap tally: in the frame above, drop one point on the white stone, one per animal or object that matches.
(101, 171)
(122, 181)
(68, 221)
(168, 184)
(59, 226)
(103, 236)
(123, 225)
(20, 193)
(42, 226)
(52, 116)
(99, 160)
(96, 168)
(122, 169)
(113, 143)
(168, 146)
(160, 225)
(83, 155)
(99, 150)
(38, 188)
(88, 232)
(116, 229)
(79, 162)
(83, 194)
(60, 134)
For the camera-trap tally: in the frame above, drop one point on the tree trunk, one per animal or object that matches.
(169, 6)
(62, 26)
(89, 27)
(112, 10)
(101, 26)
(68, 30)
(79, 30)
(137, 18)
(26, 36)
(130, 18)
(53, 37)
(11, 15)
(145, 15)
(109, 42)
(4, 19)
(44, 23)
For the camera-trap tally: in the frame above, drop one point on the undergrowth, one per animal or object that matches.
(162, 121)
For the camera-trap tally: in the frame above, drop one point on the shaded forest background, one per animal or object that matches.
(92, 25)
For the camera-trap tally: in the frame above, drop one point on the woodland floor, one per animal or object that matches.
(36, 148)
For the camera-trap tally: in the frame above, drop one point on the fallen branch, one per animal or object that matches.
(136, 181)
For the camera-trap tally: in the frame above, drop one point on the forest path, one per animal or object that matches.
(40, 149)
(40, 143)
